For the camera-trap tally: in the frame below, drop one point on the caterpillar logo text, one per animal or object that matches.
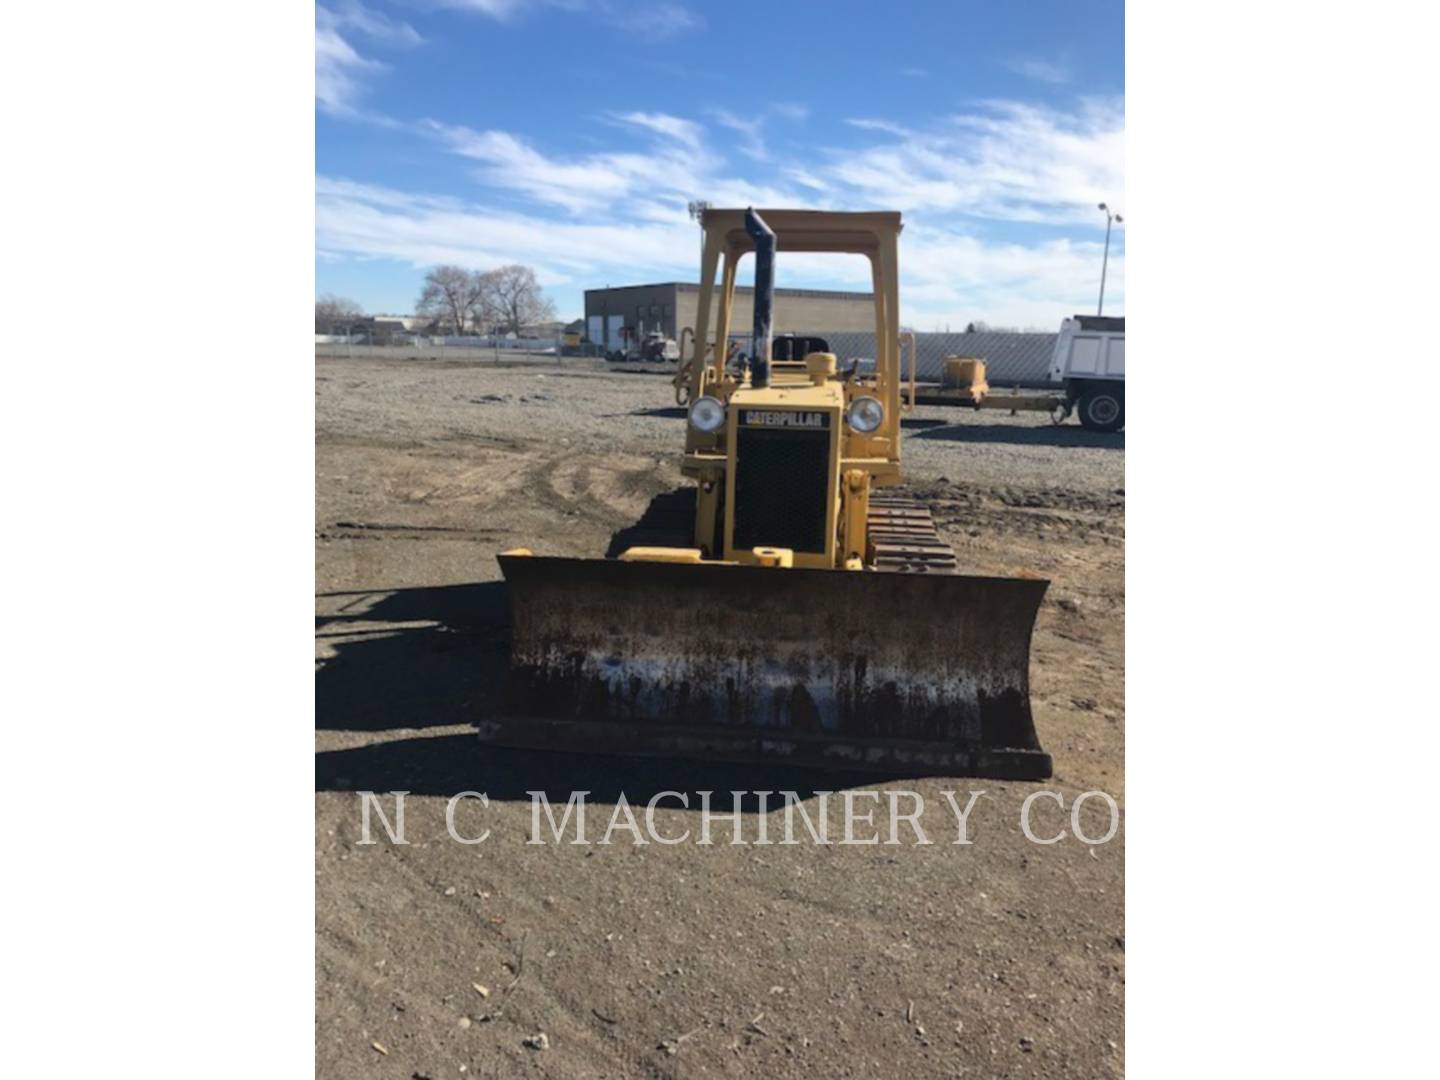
(792, 418)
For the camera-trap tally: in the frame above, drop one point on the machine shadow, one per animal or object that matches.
(1017, 435)
(383, 675)
(449, 671)
(446, 765)
(669, 412)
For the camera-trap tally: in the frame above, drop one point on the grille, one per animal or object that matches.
(781, 486)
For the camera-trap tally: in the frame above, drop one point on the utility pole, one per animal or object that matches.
(1105, 263)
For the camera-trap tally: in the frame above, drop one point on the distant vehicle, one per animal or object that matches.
(1089, 362)
(657, 347)
(654, 348)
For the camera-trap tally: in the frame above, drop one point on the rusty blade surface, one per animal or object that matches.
(924, 672)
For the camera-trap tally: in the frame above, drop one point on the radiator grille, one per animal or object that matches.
(782, 482)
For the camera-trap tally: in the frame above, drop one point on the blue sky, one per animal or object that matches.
(570, 134)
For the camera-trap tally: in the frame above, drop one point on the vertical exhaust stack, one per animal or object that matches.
(764, 238)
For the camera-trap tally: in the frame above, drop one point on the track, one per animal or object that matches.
(901, 538)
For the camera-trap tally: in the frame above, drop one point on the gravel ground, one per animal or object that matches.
(1001, 958)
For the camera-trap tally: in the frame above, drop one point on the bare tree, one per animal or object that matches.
(452, 295)
(335, 314)
(516, 299)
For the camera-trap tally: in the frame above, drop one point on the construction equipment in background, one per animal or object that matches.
(781, 608)
(1088, 362)
(656, 348)
(965, 382)
(642, 346)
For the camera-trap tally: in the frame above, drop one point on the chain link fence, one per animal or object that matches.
(1012, 359)
(433, 348)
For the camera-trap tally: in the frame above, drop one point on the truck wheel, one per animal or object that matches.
(1102, 410)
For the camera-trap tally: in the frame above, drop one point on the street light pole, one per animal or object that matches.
(1105, 263)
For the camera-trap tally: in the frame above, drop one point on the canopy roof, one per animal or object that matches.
(809, 230)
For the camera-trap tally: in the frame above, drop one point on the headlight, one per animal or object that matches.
(865, 414)
(707, 414)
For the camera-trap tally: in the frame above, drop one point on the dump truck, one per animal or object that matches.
(789, 604)
(1089, 361)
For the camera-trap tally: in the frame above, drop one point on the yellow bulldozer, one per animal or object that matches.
(784, 607)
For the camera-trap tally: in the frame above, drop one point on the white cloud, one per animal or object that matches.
(752, 139)
(624, 214)
(648, 22)
(686, 132)
(653, 22)
(946, 277)
(1053, 72)
(496, 9)
(806, 179)
(951, 277)
(354, 15)
(340, 71)
(751, 129)
(1007, 160)
(674, 168)
(334, 187)
(588, 182)
(871, 124)
(584, 184)
(366, 220)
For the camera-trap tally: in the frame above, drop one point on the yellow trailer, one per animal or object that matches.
(965, 383)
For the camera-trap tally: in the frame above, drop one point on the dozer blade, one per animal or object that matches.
(911, 674)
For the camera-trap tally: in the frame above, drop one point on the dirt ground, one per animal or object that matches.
(1000, 958)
